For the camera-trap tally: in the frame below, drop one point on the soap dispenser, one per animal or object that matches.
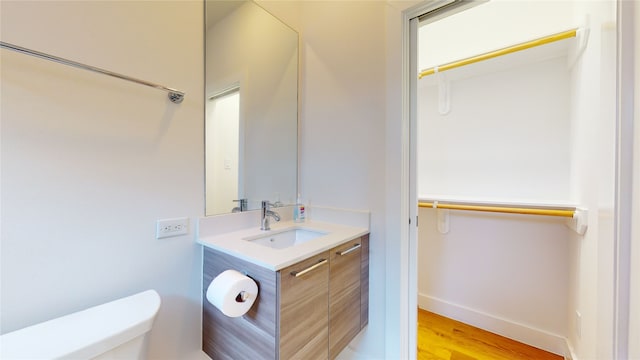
(299, 214)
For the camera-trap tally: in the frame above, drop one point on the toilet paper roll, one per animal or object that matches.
(232, 292)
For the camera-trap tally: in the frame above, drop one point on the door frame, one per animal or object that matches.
(624, 191)
(625, 108)
(408, 191)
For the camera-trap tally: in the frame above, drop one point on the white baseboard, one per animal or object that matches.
(525, 334)
(571, 355)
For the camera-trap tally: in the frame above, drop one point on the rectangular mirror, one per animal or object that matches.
(251, 108)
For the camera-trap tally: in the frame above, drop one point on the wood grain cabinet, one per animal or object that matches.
(344, 295)
(304, 300)
(309, 310)
(251, 336)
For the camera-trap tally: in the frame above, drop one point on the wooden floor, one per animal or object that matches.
(440, 338)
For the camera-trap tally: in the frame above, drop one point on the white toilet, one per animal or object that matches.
(115, 330)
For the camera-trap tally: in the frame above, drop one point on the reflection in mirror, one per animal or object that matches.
(251, 115)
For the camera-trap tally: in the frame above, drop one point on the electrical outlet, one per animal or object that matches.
(172, 227)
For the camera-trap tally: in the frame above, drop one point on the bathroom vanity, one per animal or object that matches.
(312, 277)
(313, 296)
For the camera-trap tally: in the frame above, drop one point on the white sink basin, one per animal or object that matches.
(285, 238)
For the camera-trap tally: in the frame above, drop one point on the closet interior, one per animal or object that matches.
(501, 166)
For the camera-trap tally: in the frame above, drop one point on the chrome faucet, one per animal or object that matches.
(242, 207)
(266, 213)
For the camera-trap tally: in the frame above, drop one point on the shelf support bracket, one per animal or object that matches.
(444, 92)
(443, 220)
(579, 221)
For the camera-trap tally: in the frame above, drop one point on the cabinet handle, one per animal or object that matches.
(310, 268)
(353, 248)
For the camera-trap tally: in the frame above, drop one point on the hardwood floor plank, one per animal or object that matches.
(441, 338)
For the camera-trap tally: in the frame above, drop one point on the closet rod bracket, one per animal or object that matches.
(579, 222)
(443, 220)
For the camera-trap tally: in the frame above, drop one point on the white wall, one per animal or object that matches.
(633, 44)
(593, 169)
(343, 121)
(395, 248)
(506, 137)
(89, 163)
(467, 36)
(342, 135)
(504, 273)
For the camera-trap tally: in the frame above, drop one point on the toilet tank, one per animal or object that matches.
(116, 329)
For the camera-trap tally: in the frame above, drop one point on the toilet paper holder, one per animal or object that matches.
(232, 292)
(242, 297)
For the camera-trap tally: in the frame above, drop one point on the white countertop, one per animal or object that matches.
(232, 243)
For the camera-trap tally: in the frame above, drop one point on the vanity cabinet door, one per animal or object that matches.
(344, 295)
(303, 306)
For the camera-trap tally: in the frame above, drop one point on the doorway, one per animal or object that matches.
(565, 251)
(223, 151)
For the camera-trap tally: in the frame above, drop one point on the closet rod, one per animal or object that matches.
(562, 212)
(504, 51)
(175, 96)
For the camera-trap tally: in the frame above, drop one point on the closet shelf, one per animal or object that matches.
(500, 208)
(577, 218)
(500, 52)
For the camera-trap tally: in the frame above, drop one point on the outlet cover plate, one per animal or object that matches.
(172, 227)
